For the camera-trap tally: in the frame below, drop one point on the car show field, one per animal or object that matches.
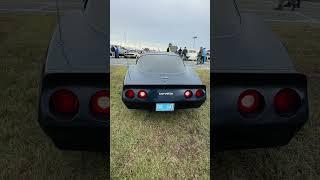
(158, 144)
(25, 151)
(300, 158)
(144, 144)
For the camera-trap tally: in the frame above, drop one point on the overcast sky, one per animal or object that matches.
(155, 23)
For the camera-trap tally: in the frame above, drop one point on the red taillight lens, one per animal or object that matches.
(287, 101)
(199, 93)
(64, 101)
(129, 94)
(142, 94)
(100, 102)
(250, 101)
(188, 94)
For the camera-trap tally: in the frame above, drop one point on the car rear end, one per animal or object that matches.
(163, 97)
(74, 110)
(162, 82)
(192, 55)
(130, 55)
(252, 110)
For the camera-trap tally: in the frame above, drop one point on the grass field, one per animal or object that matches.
(301, 158)
(159, 145)
(143, 144)
(25, 151)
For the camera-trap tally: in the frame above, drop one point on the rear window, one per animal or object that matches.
(161, 64)
(192, 51)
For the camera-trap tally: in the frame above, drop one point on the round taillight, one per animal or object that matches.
(199, 93)
(188, 94)
(64, 101)
(250, 101)
(142, 94)
(100, 102)
(287, 101)
(129, 93)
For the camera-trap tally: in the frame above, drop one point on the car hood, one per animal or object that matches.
(134, 76)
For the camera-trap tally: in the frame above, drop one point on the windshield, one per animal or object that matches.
(226, 17)
(161, 64)
(192, 51)
(96, 12)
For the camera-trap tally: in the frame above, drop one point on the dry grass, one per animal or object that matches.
(153, 145)
(25, 151)
(301, 158)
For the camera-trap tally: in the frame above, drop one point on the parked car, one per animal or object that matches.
(74, 90)
(161, 82)
(258, 98)
(192, 55)
(122, 51)
(131, 54)
(208, 55)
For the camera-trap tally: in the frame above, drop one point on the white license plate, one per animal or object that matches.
(165, 107)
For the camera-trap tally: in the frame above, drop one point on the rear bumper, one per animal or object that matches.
(163, 94)
(230, 138)
(79, 138)
(152, 105)
(130, 56)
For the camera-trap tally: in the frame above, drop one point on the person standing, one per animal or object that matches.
(184, 53)
(116, 52)
(204, 55)
(199, 56)
(169, 48)
(113, 51)
(180, 51)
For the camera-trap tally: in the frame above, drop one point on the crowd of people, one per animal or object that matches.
(201, 54)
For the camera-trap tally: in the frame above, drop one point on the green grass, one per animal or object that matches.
(25, 151)
(153, 145)
(301, 158)
(144, 144)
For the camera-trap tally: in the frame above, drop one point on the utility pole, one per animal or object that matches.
(124, 39)
(194, 40)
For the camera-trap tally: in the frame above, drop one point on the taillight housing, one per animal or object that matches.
(100, 102)
(129, 93)
(188, 94)
(64, 102)
(142, 94)
(287, 102)
(250, 102)
(199, 93)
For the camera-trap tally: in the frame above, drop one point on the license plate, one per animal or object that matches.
(165, 107)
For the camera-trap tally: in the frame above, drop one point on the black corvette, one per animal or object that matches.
(162, 82)
(74, 89)
(259, 99)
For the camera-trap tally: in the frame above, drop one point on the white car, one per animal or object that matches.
(192, 55)
(131, 54)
